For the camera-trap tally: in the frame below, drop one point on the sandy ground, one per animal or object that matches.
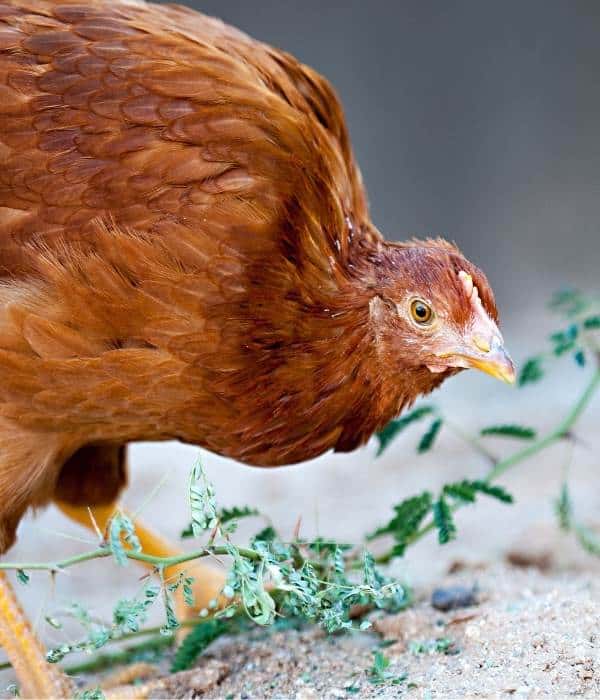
(520, 641)
(533, 632)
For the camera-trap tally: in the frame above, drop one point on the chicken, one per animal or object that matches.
(186, 253)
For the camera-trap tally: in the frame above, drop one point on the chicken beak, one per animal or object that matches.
(476, 352)
(492, 359)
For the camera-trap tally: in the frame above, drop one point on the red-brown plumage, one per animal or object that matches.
(187, 253)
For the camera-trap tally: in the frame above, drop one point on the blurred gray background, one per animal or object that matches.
(476, 120)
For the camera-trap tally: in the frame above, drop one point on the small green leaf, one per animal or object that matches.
(428, 439)
(588, 539)
(224, 516)
(395, 427)
(444, 522)
(379, 674)
(564, 341)
(380, 662)
(410, 513)
(171, 621)
(129, 614)
(440, 645)
(592, 323)
(90, 694)
(22, 577)
(188, 591)
(492, 490)
(514, 431)
(564, 508)
(203, 505)
(187, 533)
(532, 371)
(579, 358)
(467, 491)
(121, 530)
(267, 534)
(462, 491)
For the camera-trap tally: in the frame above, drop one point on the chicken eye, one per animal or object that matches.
(421, 312)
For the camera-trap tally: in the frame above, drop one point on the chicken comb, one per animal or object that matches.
(470, 289)
(473, 295)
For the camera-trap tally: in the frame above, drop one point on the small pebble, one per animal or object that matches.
(453, 597)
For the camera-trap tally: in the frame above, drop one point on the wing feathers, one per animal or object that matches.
(49, 340)
(149, 114)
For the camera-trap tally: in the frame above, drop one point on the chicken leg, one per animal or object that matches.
(37, 678)
(208, 581)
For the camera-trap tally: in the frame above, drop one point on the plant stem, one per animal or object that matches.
(560, 432)
(103, 661)
(473, 441)
(102, 552)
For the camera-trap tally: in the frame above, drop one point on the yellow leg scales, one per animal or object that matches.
(36, 677)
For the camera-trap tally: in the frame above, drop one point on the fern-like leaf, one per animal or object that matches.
(395, 427)
(592, 323)
(226, 515)
(492, 490)
(409, 516)
(428, 439)
(564, 341)
(588, 539)
(444, 522)
(564, 508)
(519, 432)
(267, 534)
(532, 371)
(171, 621)
(196, 642)
(579, 357)
(467, 491)
(462, 491)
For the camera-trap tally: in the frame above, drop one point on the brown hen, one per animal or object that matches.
(186, 253)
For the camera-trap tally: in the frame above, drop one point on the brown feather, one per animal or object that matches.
(186, 253)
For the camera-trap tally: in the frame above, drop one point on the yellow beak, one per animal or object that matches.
(488, 357)
(496, 363)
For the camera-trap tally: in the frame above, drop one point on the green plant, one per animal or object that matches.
(317, 581)
(440, 645)
(379, 673)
